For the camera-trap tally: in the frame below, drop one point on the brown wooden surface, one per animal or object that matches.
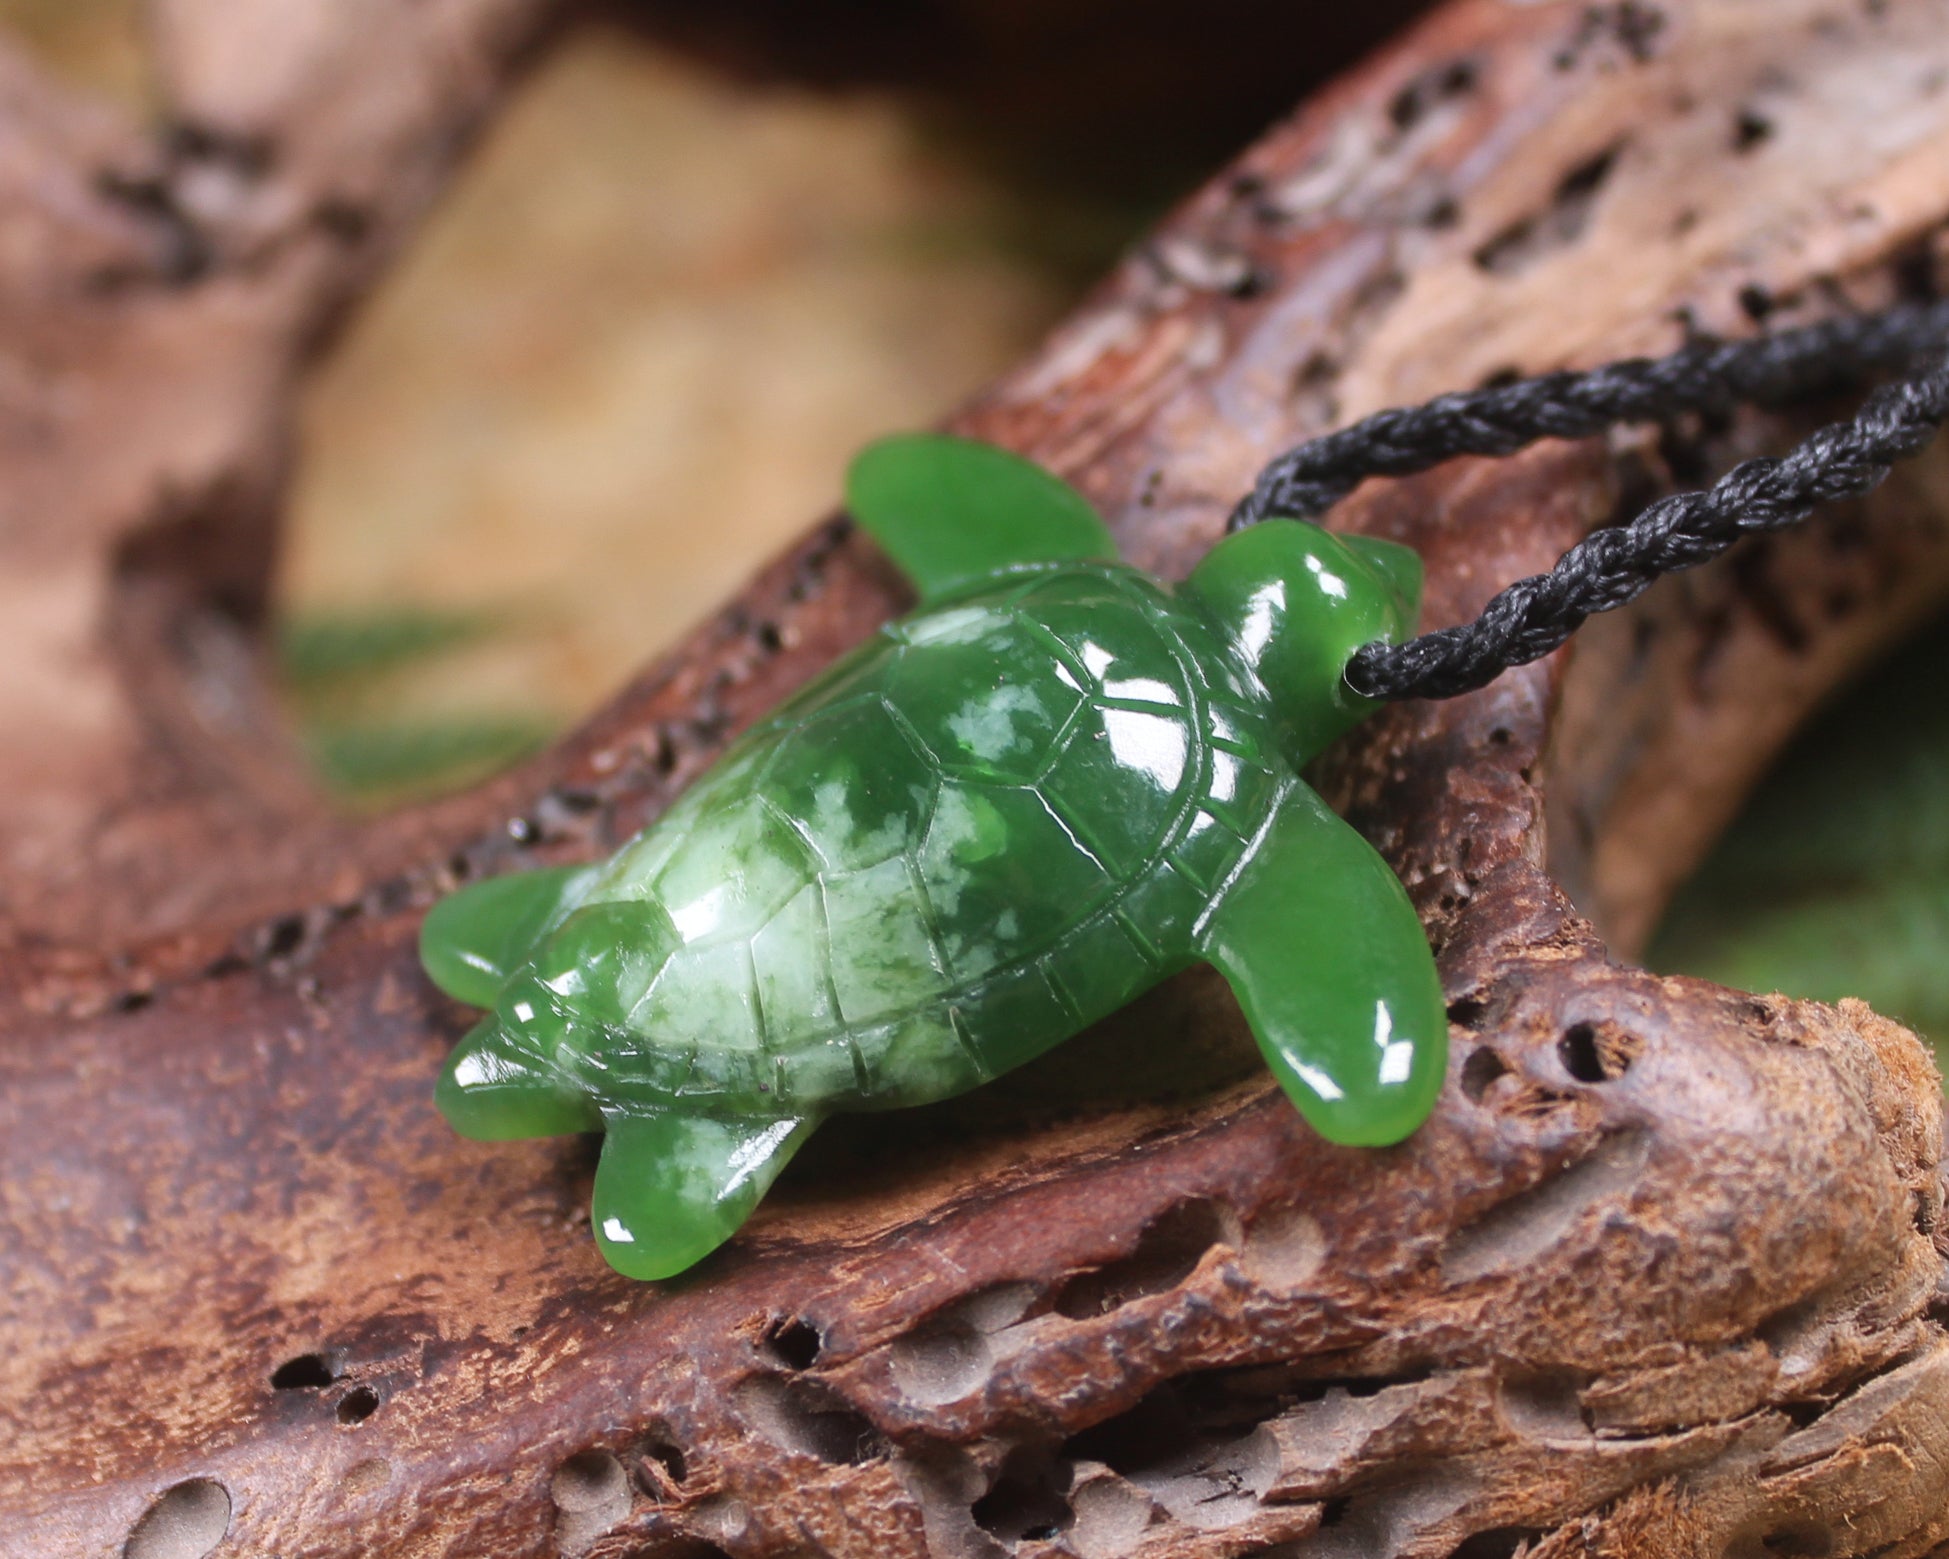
(1662, 1276)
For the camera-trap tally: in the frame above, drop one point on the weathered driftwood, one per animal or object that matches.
(1662, 1277)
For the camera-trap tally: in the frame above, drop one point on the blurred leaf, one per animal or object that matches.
(322, 650)
(1888, 944)
(1835, 879)
(374, 764)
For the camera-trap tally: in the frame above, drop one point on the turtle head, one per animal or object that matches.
(1296, 602)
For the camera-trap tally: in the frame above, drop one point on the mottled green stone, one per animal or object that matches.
(1052, 785)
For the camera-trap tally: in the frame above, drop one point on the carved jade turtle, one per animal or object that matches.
(1052, 785)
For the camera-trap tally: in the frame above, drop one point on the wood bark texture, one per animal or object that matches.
(1662, 1278)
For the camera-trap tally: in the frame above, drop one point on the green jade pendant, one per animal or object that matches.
(1053, 784)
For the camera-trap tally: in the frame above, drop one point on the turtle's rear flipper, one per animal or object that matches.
(1330, 964)
(951, 511)
(471, 941)
(672, 1187)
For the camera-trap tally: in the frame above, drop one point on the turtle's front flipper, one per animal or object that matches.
(1330, 964)
(951, 511)
(471, 941)
(672, 1186)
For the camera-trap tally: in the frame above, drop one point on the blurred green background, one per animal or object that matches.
(1834, 880)
(632, 352)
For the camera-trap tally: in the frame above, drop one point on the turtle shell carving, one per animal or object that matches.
(1055, 783)
(842, 913)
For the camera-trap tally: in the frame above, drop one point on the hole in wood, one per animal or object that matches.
(1441, 214)
(1395, 1520)
(1545, 1404)
(1578, 1052)
(591, 1495)
(308, 1371)
(1430, 90)
(589, 1479)
(574, 799)
(1283, 1248)
(1557, 226)
(1312, 387)
(1481, 1069)
(1751, 130)
(186, 1522)
(804, 1416)
(1168, 1252)
(1597, 1052)
(1630, 29)
(363, 1477)
(1110, 1516)
(1531, 1222)
(357, 1405)
(940, 1363)
(283, 936)
(1027, 1502)
(948, 1354)
(1798, 1540)
(1498, 1543)
(1196, 1448)
(1797, 1335)
(794, 1342)
(661, 1468)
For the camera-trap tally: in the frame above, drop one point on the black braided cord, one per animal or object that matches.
(1612, 566)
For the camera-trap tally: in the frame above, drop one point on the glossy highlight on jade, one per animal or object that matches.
(1053, 784)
